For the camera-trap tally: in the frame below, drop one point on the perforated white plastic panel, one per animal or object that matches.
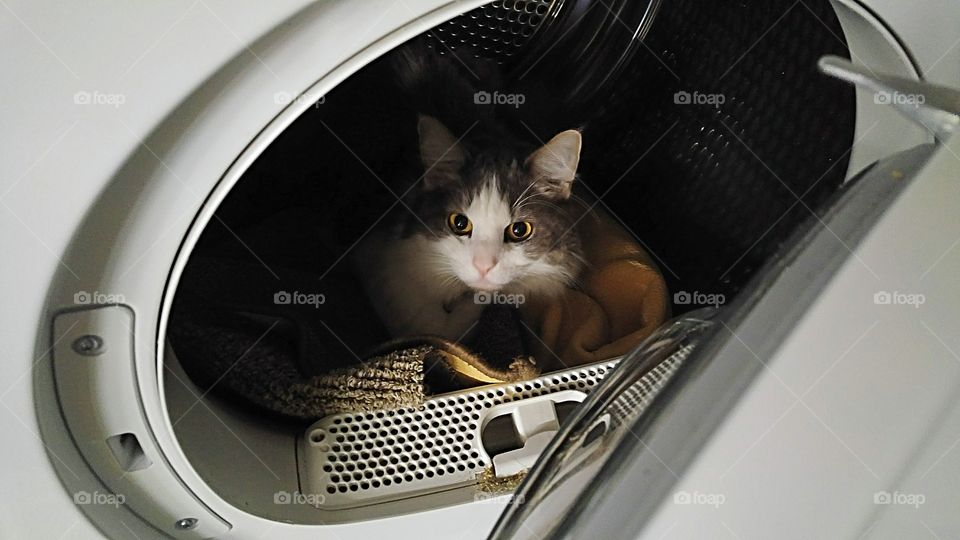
(367, 458)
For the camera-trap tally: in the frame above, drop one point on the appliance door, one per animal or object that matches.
(823, 404)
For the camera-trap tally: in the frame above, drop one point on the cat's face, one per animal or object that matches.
(498, 222)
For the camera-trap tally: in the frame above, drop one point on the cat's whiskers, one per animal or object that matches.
(544, 203)
(526, 199)
(446, 273)
(518, 202)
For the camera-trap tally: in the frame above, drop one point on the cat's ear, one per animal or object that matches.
(441, 155)
(554, 165)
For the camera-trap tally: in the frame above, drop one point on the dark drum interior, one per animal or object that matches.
(710, 189)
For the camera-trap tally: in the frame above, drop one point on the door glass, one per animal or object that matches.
(587, 440)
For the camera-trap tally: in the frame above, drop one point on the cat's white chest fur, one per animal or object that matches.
(410, 300)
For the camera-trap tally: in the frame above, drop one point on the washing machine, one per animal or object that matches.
(791, 163)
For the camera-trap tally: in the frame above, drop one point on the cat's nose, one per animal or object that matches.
(484, 264)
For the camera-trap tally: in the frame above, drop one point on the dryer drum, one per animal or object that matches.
(707, 132)
(718, 181)
(711, 189)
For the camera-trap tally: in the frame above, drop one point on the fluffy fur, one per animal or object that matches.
(422, 276)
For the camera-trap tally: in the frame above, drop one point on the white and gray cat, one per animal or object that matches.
(487, 215)
(479, 222)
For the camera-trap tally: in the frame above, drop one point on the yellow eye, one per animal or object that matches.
(460, 224)
(519, 231)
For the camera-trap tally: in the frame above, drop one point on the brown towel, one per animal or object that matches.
(622, 298)
(450, 366)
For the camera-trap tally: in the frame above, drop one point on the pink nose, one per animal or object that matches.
(483, 265)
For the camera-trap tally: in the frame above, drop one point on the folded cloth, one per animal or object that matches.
(236, 337)
(246, 361)
(621, 298)
(252, 360)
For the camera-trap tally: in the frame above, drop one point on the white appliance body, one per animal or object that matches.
(162, 107)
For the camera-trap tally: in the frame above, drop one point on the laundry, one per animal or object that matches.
(235, 336)
(622, 299)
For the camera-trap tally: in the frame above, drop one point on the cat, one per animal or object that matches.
(488, 215)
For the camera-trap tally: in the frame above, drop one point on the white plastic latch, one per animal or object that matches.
(536, 423)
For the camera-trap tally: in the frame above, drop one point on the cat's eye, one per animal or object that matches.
(460, 224)
(518, 231)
